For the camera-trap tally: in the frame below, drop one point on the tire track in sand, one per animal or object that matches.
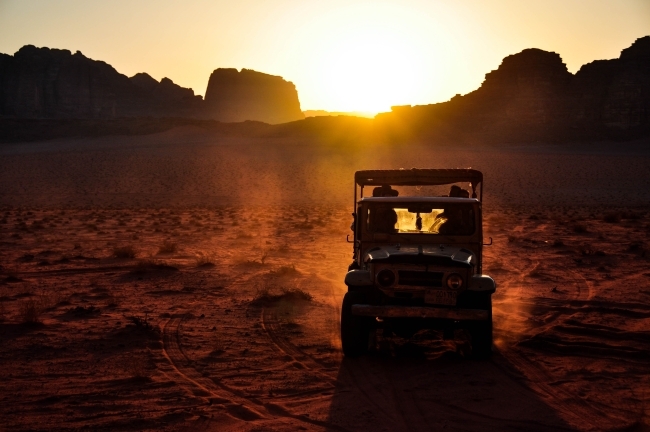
(577, 411)
(235, 402)
(297, 355)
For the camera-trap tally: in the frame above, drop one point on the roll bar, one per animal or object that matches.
(418, 177)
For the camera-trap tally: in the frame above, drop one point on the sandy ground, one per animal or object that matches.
(227, 316)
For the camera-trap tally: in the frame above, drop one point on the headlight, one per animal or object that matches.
(454, 281)
(386, 278)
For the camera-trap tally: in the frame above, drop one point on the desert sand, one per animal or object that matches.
(182, 281)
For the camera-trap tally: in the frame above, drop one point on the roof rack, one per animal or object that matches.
(418, 177)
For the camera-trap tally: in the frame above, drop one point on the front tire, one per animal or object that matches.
(481, 333)
(355, 330)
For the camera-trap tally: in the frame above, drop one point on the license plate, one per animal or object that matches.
(441, 297)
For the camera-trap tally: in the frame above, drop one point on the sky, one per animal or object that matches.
(342, 55)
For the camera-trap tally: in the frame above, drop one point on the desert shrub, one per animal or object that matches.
(286, 311)
(124, 252)
(303, 225)
(632, 215)
(138, 368)
(263, 295)
(113, 299)
(634, 246)
(244, 260)
(580, 228)
(218, 347)
(168, 247)
(638, 248)
(30, 311)
(143, 325)
(612, 217)
(52, 298)
(296, 294)
(285, 270)
(148, 264)
(205, 261)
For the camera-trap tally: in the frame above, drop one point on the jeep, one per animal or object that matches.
(417, 260)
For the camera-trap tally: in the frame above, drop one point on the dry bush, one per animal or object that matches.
(285, 270)
(124, 252)
(244, 260)
(612, 217)
(168, 247)
(297, 294)
(138, 368)
(30, 311)
(580, 228)
(286, 311)
(558, 243)
(218, 347)
(52, 298)
(114, 299)
(205, 261)
(142, 323)
(264, 296)
(286, 304)
(638, 248)
(148, 264)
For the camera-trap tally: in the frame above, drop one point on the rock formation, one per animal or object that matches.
(234, 96)
(52, 83)
(533, 97)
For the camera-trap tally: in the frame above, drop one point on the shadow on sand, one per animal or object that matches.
(406, 388)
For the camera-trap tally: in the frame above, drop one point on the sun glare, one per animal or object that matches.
(370, 72)
(370, 59)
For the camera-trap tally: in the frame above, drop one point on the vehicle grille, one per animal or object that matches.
(420, 278)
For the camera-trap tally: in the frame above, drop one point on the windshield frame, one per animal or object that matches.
(372, 232)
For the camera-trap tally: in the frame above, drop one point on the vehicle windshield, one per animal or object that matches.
(444, 219)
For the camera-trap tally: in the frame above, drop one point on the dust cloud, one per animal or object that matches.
(187, 281)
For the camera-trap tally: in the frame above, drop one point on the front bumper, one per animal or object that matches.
(420, 312)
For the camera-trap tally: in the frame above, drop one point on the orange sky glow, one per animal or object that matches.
(347, 55)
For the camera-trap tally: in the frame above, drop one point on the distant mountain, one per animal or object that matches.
(234, 96)
(52, 83)
(533, 97)
(530, 97)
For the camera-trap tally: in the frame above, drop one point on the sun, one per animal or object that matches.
(371, 55)
(370, 70)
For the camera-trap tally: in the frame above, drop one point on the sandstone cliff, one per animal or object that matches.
(52, 83)
(234, 96)
(533, 97)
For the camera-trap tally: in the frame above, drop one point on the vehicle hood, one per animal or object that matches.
(442, 255)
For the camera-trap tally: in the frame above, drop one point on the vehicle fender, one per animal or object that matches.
(482, 283)
(358, 278)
